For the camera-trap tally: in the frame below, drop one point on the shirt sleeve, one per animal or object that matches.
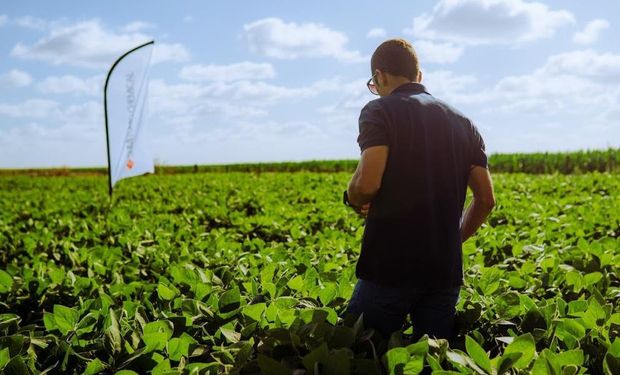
(372, 126)
(479, 156)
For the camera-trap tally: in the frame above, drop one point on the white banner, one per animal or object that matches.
(126, 92)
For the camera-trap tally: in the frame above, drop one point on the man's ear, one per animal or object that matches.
(419, 76)
(385, 78)
(379, 77)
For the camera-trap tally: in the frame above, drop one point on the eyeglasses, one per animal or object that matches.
(372, 86)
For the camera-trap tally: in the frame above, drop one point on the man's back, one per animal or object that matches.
(412, 235)
(418, 157)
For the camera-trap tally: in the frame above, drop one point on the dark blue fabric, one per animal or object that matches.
(385, 308)
(412, 232)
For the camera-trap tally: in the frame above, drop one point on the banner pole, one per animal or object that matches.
(107, 135)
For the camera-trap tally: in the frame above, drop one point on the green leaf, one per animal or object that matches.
(574, 279)
(524, 345)
(418, 348)
(230, 335)
(162, 368)
(12, 320)
(113, 339)
(271, 289)
(318, 355)
(6, 282)
(572, 327)
(611, 364)
(126, 372)
(296, 283)
(15, 343)
(342, 337)
(66, 318)
(16, 366)
(156, 334)
(327, 294)
(49, 321)
(457, 359)
(614, 349)
(94, 367)
(88, 321)
(592, 278)
(5, 356)
(414, 366)
(255, 311)
(266, 275)
(338, 363)
(179, 346)
(165, 293)
(507, 361)
(270, 366)
(541, 367)
(570, 357)
(478, 354)
(229, 300)
(196, 368)
(396, 357)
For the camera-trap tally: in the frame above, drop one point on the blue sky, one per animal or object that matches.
(275, 80)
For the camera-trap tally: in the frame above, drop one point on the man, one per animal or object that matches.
(418, 157)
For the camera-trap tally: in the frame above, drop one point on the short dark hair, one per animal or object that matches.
(397, 57)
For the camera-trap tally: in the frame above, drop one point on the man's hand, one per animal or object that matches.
(366, 180)
(482, 204)
(362, 210)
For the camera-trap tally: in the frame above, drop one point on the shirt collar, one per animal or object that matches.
(410, 86)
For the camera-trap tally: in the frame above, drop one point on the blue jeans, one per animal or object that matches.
(385, 309)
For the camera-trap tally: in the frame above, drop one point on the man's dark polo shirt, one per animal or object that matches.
(412, 234)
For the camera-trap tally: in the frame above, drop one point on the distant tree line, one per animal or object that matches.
(533, 163)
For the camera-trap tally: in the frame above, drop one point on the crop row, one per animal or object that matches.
(248, 273)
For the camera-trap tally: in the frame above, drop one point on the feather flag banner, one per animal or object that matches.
(125, 108)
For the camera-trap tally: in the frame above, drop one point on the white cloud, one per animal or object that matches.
(52, 111)
(73, 135)
(193, 101)
(136, 26)
(69, 84)
(353, 96)
(582, 83)
(3, 19)
(264, 94)
(601, 67)
(570, 102)
(591, 32)
(169, 52)
(30, 22)
(233, 99)
(376, 32)
(273, 37)
(15, 78)
(439, 53)
(449, 86)
(233, 72)
(31, 108)
(489, 21)
(88, 44)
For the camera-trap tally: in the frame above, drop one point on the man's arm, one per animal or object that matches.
(482, 203)
(366, 180)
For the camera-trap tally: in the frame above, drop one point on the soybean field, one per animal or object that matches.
(250, 273)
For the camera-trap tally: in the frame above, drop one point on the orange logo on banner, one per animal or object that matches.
(129, 163)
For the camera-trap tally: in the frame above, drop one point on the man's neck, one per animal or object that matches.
(399, 83)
